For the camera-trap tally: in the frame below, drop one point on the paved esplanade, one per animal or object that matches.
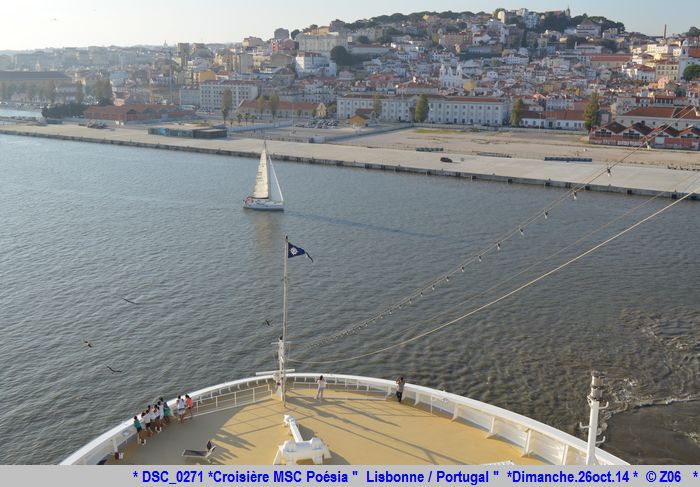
(624, 178)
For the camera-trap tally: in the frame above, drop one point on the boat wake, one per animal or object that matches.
(670, 377)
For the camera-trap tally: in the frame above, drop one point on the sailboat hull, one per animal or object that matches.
(263, 204)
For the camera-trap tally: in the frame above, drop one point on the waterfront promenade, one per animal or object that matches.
(629, 179)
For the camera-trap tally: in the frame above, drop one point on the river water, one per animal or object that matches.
(83, 225)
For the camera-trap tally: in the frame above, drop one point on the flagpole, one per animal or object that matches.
(283, 362)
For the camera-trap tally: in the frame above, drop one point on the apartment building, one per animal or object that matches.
(212, 92)
(465, 110)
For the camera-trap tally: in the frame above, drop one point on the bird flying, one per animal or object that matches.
(112, 370)
(87, 343)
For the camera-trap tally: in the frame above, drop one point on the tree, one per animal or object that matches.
(226, 103)
(239, 117)
(299, 112)
(51, 92)
(693, 32)
(363, 40)
(341, 56)
(377, 104)
(691, 72)
(516, 114)
(274, 103)
(294, 33)
(79, 92)
(103, 92)
(260, 105)
(4, 91)
(591, 114)
(422, 109)
(246, 116)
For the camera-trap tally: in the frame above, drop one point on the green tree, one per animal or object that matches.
(4, 91)
(274, 103)
(51, 92)
(377, 104)
(79, 92)
(610, 45)
(226, 103)
(591, 114)
(299, 112)
(516, 114)
(341, 56)
(422, 109)
(363, 40)
(691, 72)
(260, 105)
(103, 92)
(693, 32)
(239, 117)
(246, 116)
(294, 33)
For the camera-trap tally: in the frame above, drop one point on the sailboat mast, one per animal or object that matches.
(284, 324)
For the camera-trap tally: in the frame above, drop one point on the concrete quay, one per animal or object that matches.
(626, 179)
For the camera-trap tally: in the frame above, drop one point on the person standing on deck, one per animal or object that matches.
(400, 382)
(321, 387)
(180, 409)
(188, 405)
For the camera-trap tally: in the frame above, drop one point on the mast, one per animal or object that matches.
(594, 399)
(283, 349)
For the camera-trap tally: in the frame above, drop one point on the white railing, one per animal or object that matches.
(534, 438)
(211, 399)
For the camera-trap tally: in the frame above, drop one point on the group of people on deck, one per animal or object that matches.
(155, 417)
(400, 383)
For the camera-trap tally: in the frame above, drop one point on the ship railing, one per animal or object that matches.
(532, 437)
(229, 395)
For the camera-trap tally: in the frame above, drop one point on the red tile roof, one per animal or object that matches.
(664, 112)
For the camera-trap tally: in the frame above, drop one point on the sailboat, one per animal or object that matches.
(267, 194)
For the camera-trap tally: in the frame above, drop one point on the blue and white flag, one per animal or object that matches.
(294, 251)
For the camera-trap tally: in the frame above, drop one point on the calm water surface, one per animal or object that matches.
(83, 225)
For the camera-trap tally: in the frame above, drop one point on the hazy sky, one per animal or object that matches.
(29, 24)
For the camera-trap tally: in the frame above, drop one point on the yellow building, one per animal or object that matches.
(203, 76)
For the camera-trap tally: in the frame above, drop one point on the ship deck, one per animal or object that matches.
(358, 428)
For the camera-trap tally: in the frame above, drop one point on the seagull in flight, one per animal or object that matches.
(113, 371)
(267, 322)
(129, 301)
(87, 343)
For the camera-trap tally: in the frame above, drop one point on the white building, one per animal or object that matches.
(463, 110)
(211, 93)
(394, 108)
(323, 44)
(190, 96)
(689, 56)
(451, 78)
(313, 63)
(588, 28)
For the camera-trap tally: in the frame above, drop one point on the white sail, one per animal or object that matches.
(262, 181)
(275, 191)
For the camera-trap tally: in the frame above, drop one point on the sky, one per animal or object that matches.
(32, 24)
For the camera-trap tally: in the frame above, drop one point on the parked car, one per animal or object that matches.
(445, 159)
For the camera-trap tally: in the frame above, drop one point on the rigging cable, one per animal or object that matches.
(355, 328)
(510, 293)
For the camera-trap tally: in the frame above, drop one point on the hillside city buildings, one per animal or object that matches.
(469, 68)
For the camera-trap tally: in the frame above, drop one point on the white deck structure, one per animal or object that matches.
(359, 421)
